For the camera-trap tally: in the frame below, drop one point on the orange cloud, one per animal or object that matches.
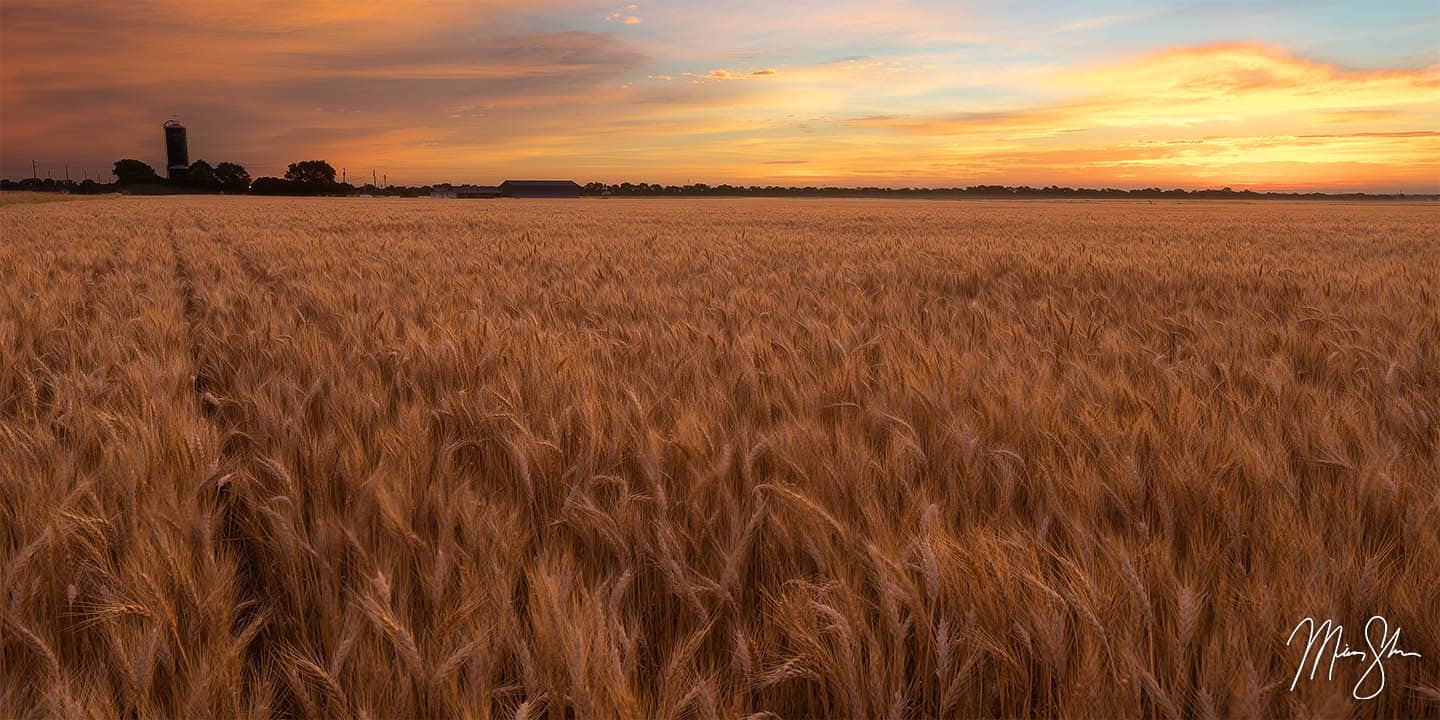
(1223, 82)
(265, 82)
(1190, 87)
(1247, 110)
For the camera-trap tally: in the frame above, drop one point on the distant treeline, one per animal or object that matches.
(83, 187)
(317, 177)
(306, 178)
(982, 191)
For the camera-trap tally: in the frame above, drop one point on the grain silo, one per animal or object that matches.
(177, 155)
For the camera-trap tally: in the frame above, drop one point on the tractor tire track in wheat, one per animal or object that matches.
(216, 393)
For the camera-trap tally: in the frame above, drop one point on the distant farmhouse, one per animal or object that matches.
(509, 188)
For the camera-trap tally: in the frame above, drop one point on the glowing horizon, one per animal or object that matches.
(1263, 96)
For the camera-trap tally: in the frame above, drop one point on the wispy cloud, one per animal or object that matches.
(625, 15)
(722, 74)
(1103, 21)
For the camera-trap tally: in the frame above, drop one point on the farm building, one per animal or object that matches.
(540, 189)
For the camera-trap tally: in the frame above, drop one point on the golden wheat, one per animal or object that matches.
(342, 458)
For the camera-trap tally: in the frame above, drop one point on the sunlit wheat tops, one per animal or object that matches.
(335, 458)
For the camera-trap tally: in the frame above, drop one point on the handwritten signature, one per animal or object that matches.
(1329, 634)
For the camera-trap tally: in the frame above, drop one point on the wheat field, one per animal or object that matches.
(713, 459)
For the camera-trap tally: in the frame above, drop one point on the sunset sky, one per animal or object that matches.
(1269, 95)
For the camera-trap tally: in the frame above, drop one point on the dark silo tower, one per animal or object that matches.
(177, 155)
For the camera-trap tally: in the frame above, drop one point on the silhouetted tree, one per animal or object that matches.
(134, 172)
(201, 177)
(311, 172)
(233, 178)
(274, 186)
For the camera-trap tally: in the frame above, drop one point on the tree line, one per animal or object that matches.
(317, 177)
(308, 177)
(627, 189)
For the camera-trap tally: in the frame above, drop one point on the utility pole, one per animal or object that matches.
(386, 180)
(67, 172)
(33, 172)
(342, 175)
(373, 180)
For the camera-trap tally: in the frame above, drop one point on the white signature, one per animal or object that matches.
(1329, 634)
